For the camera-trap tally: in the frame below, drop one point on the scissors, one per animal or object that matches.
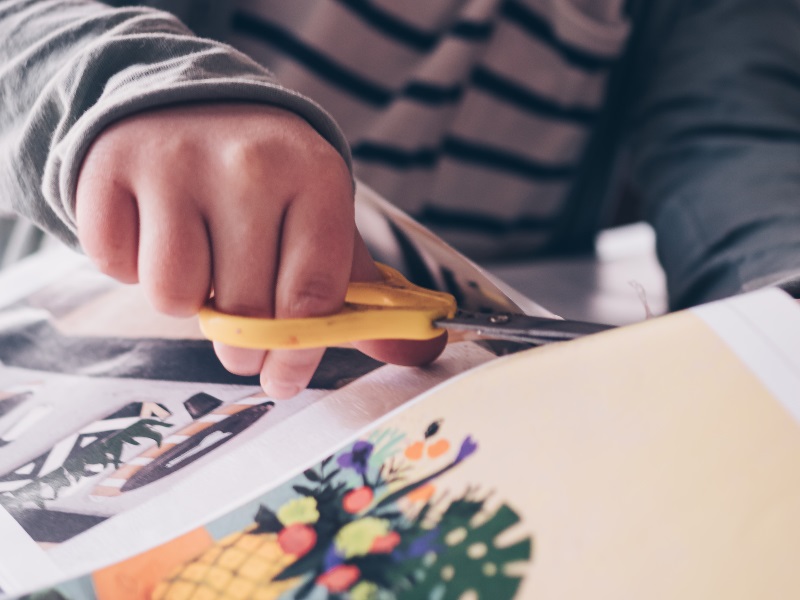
(390, 309)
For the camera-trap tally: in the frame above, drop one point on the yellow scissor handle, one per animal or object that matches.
(393, 308)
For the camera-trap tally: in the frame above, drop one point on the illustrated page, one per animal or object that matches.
(653, 461)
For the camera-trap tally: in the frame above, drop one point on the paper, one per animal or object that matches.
(667, 469)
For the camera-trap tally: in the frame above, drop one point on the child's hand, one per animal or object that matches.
(246, 199)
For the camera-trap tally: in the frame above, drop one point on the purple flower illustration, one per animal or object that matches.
(419, 546)
(468, 446)
(331, 559)
(358, 458)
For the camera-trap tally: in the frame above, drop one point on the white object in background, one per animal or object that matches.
(603, 288)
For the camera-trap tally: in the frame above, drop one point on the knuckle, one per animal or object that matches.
(177, 148)
(333, 176)
(260, 155)
(246, 156)
(235, 155)
(314, 297)
(328, 157)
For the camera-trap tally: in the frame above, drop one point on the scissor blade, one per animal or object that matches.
(519, 328)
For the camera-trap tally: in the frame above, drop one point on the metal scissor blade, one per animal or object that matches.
(519, 328)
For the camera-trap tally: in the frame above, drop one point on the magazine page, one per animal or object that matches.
(398, 240)
(119, 428)
(652, 461)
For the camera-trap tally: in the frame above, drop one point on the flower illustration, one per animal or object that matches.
(300, 510)
(417, 450)
(297, 539)
(332, 558)
(358, 458)
(340, 578)
(361, 525)
(422, 494)
(468, 446)
(421, 545)
(356, 538)
(364, 590)
(385, 544)
(358, 499)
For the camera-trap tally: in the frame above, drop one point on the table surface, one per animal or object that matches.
(618, 286)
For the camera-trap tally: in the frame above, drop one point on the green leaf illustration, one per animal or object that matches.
(466, 558)
(312, 475)
(99, 454)
(267, 521)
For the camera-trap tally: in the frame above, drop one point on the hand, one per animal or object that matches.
(245, 199)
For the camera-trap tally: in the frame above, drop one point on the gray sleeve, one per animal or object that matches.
(70, 68)
(717, 144)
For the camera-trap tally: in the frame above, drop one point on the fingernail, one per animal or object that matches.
(280, 391)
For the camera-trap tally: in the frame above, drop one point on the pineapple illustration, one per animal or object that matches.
(350, 529)
(239, 566)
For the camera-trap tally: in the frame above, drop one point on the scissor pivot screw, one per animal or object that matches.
(499, 319)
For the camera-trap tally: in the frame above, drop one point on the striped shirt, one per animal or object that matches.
(471, 115)
(501, 123)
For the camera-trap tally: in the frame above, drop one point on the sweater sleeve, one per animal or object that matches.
(69, 68)
(717, 144)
